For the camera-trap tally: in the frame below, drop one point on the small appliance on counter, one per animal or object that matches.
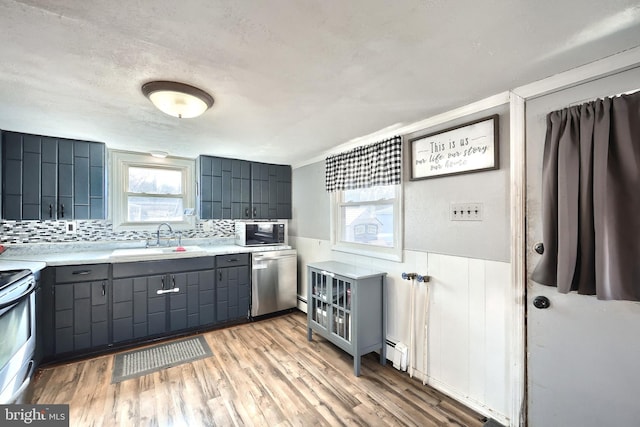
(260, 233)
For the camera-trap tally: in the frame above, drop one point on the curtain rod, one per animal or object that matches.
(630, 92)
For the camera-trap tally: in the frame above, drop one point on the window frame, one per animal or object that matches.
(389, 253)
(121, 161)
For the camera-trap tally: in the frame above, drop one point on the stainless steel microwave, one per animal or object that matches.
(260, 233)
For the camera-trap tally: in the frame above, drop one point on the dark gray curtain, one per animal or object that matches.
(591, 199)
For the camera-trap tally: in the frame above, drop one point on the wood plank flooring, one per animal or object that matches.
(263, 373)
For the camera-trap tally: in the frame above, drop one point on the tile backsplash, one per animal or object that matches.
(20, 232)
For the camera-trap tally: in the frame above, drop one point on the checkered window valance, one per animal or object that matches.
(367, 166)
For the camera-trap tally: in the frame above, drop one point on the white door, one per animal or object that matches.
(583, 354)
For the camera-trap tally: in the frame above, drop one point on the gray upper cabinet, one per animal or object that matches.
(238, 189)
(52, 178)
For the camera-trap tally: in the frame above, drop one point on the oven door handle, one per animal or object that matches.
(18, 299)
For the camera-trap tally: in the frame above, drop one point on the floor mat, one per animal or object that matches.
(151, 359)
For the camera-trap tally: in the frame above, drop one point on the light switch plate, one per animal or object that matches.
(470, 211)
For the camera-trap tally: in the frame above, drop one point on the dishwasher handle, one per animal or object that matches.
(266, 258)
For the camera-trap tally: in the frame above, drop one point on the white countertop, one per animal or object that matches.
(37, 261)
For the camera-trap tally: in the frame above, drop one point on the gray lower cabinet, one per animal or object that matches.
(345, 304)
(233, 287)
(81, 309)
(154, 298)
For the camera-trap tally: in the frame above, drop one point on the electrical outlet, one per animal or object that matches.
(466, 211)
(70, 227)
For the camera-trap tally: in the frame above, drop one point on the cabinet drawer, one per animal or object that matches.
(148, 268)
(232, 260)
(82, 273)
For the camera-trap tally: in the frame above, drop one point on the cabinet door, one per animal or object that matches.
(137, 309)
(81, 316)
(205, 191)
(64, 317)
(122, 309)
(319, 296)
(31, 173)
(156, 305)
(96, 181)
(222, 295)
(206, 298)
(178, 301)
(21, 176)
(199, 288)
(283, 182)
(227, 165)
(49, 177)
(64, 206)
(99, 314)
(211, 187)
(232, 293)
(341, 289)
(11, 176)
(259, 190)
(80, 180)
(240, 189)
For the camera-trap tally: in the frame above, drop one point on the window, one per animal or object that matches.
(368, 221)
(147, 191)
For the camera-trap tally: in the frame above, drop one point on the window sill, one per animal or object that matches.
(390, 254)
(175, 226)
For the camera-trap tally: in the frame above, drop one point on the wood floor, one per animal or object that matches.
(264, 373)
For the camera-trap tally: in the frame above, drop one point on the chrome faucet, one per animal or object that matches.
(158, 232)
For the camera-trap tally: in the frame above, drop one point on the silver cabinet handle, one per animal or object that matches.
(81, 272)
(167, 291)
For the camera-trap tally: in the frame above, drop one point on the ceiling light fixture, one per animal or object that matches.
(177, 99)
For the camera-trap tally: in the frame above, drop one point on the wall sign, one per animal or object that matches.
(467, 148)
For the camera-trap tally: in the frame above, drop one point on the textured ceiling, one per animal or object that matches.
(290, 78)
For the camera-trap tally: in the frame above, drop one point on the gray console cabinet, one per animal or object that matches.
(345, 304)
(80, 307)
(155, 298)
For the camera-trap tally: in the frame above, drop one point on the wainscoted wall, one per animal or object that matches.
(20, 232)
(467, 335)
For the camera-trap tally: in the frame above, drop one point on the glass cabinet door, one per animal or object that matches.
(341, 307)
(319, 298)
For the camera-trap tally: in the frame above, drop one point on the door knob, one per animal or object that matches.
(541, 302)
(539, 248)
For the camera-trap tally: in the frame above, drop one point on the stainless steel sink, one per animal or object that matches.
(157, 252)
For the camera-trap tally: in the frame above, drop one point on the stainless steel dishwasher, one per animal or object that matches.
(274, 281)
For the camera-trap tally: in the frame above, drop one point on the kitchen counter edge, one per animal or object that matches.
(37, 262)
